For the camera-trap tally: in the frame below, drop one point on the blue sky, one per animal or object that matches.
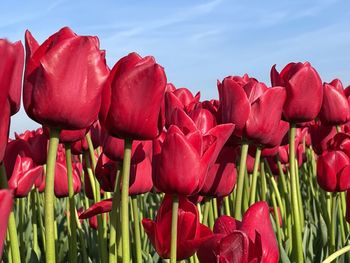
(197, 42)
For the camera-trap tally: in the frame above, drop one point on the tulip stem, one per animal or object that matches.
(125, 200)
(333, 224)
(174, 216)
(12, 229)
(136, 211)
(72, 240)
(255, 176)
(297, 242)
(336, 254)
(115, 220)
(240, 182)
(50, 197)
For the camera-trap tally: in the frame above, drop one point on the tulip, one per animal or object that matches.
(180, 98)
(304, 91)
(63, 80)
(185, 159)
(137, 89)
(255, 109)
(221, 178)
(191, 234)
(103, 206)
(113, 148)
(37, 140)
(333, 171)
(23, 176)
(61, 179)
(98, 134)
(320, 135)
(11, 69)
(5, 209)
(252, 240)
(335, 108)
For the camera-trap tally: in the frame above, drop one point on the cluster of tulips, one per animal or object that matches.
(259, 175)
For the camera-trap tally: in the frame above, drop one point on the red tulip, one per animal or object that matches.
(11, 70)
(113, 148)
(137, 89)
(221, 178)
(180, 98)
(252, 240)
(5, 209)
(70, 136)
(98, 134)
(320, 135)
(333, 171)
(23, 176)
(61, 178)
(335, 106)
(103, 206)
(37, 141)
(186, 157)
(255, 109)
(191, 234)
(140, 173)
(63, 80)
(304, 91)
(11, 66)
(203, 119)
(79, 147)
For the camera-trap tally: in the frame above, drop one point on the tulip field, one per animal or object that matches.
(126, 167)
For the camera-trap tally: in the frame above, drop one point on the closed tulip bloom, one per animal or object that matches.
(61, 179)
(70, 136)
(320, 135)
(11, 70)
(252, 240)
(23, 176)
(140, 172)
(203, 119)
(5, 209)
(255, 109)
(101, 207)
(221, 178)
(333, 171)
(98, 134)
(304, 91)
(181, 98)
(185, 159)
(63, 80)
(191, 233)
(113, 148)
(335, 108)
(137, 89)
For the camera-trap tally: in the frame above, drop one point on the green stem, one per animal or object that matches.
(137, 229)
(125, 200)
(336, 254)
(206, 211)
(227, 206)
(255, 176)
(263, 181)
(297, 242)
(174, 216)
(50, 197)
(34, 224)
(115, 220)
(12, 229)
(240, 181)
(73, 251)
(333, 224)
